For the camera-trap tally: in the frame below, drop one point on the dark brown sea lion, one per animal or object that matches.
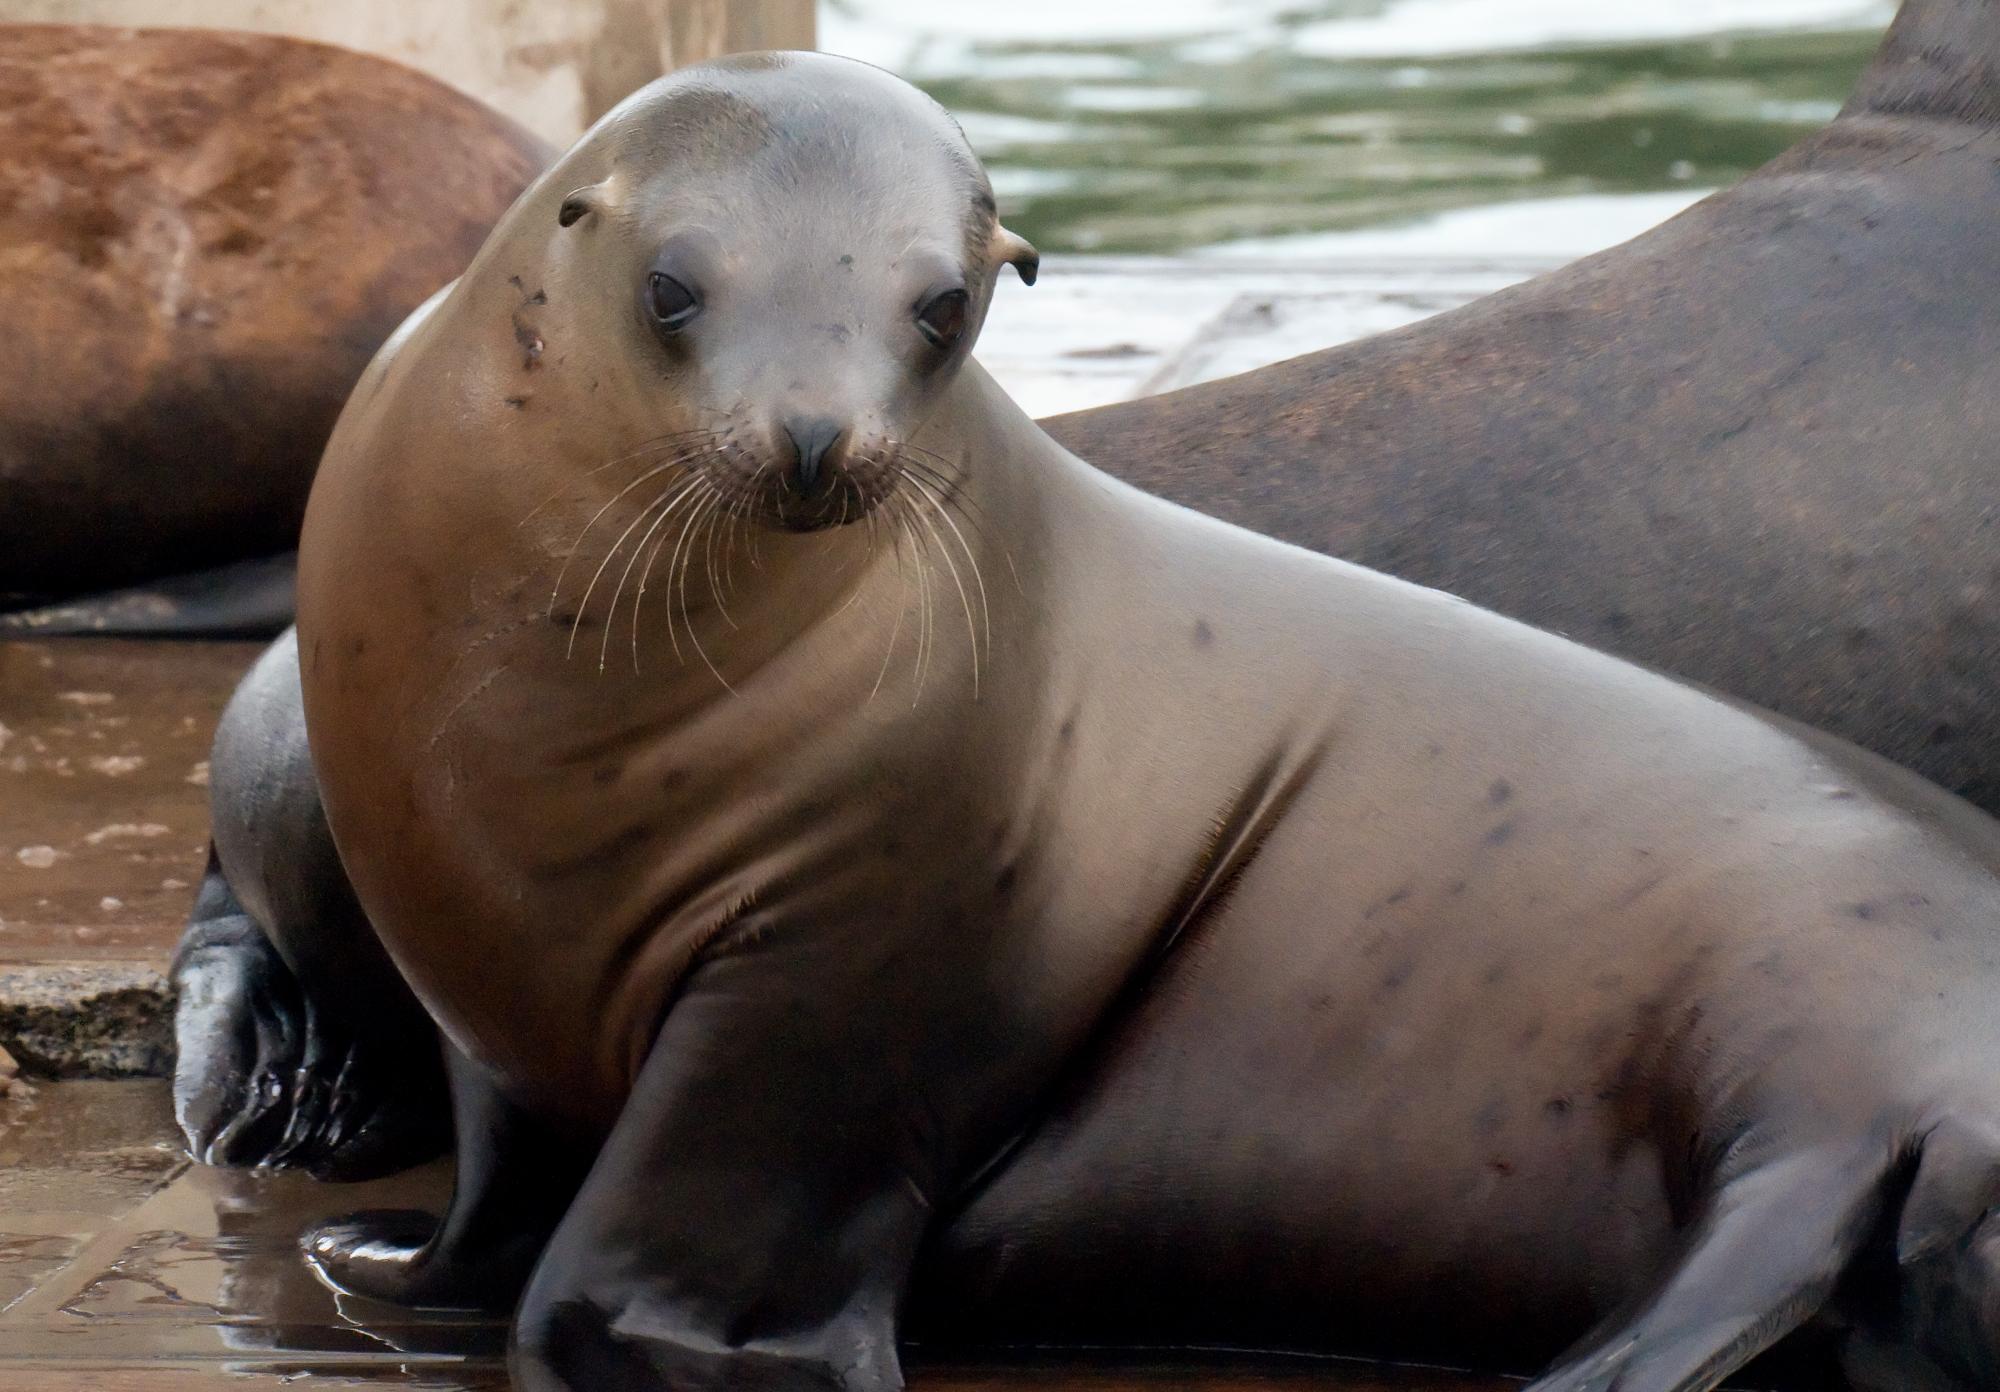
(1173, 933)
(1758, 446)
(206, 236)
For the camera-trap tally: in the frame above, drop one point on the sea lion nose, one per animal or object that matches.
(811, 438)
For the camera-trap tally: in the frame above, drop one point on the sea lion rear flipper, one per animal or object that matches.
(1938, 1326)
(1767, 1251)
(300, 1045)
(233, 1028)
(244, 599)
(265, 1077)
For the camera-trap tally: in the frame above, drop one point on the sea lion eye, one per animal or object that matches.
(942, 319)
(674, 306)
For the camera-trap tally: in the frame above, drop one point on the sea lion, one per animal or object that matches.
(959, 878)
(208, 235)
(1846, 290)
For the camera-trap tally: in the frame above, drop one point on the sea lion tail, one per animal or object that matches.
(245, 599)
(1940, 58)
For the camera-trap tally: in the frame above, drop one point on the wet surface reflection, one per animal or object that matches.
(125, 1266)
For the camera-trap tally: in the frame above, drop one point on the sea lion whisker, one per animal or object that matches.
(575, 546)
(671, 437)
(639, 597)
(755, 545)
(948, 489)
(949, 472)
(717, 514)
(906, 532)
(684, 455)
(667, 510)
(902, 607)
(676, 580)
(868, 521)
(646, 575)
(676, 440)
(737, 505)
(850, 602)
(688, 618)
(911, 462)
(971, 626)
(972, 559)
(926, 627)
(605, 564)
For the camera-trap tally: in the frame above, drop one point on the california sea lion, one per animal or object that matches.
(858, 829)
(1757, 423)
(207, 237)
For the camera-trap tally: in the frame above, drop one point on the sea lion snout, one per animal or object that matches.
(813, 440)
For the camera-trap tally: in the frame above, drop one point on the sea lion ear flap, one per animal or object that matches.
(1016, 252)
(580, 204)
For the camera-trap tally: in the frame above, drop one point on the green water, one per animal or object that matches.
(1139, 128)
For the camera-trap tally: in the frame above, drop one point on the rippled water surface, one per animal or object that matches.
(1296, 128)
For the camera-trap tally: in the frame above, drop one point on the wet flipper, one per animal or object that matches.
(515, 1179)
(301, 1046)
(754, 1215)
(245, 599)
(236, 1028)
(265, 1078)
(1766, 1254)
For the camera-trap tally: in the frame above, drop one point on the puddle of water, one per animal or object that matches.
(124, 1267)
(84, 1148)
(114, 1248)
(1271, 123)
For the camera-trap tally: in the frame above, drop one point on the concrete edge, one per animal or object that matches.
(88, 1019)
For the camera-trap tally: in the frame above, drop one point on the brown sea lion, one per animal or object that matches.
(207, 235)
(905, 864)
(1758, 446)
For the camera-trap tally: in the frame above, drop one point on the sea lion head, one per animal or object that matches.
(795, 253)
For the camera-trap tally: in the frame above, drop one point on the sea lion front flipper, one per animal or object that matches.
(753, 1219)
(1768, 1250)
(514, 1180)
